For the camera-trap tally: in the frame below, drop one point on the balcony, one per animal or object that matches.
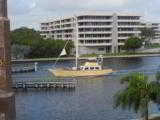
(124, 38)
(121, 44)
(69, 38)
(130, 26)
(134, 32)
(67, 28)
(44, 25)
(96, 32)
(64, 23)
(42, 34)
(129, 20)
(96, 20)
(102, 26)
(95, 44)
(93, 38)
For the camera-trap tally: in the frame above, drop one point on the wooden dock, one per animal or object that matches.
(44, 84)
(23, 70)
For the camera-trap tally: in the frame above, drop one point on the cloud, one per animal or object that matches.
(148, 8)
(70, 5)
(31, 12)
(18, 7)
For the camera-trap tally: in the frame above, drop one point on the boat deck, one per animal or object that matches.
(80, 73)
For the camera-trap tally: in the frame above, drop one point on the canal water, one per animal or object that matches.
(91, 100)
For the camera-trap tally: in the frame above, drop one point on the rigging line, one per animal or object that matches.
(60, 54)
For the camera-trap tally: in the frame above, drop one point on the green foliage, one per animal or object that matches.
(154, 45)
(46, 48)
(132, 43)
(158, 76)
(138, 93)
(147, 34)
(39, 48)
(25, 36)
(20, 51)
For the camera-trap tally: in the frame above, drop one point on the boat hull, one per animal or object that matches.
(80, 73)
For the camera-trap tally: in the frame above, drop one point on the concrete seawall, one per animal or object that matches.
(83, 58)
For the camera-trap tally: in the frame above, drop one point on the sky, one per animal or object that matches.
(30, 13)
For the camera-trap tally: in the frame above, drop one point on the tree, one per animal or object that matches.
(132, 43)
(138, 94)
(20, 51)
(25, 36)
(147, 34)
(158, 76)
(24, 39)
(39, 47)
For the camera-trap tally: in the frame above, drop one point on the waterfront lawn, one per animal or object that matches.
(121, 54)
(157, 118)
(155, 45)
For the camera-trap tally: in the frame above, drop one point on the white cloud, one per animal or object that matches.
(30, 12)
(109, 2)
(70, 5)
(20, 6)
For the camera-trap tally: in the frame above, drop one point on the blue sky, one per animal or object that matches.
(30, 13)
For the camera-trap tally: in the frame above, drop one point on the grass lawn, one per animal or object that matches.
(120, 54)
(157, 118)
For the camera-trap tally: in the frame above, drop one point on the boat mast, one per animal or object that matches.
(76, 43)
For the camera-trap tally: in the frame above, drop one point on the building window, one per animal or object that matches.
(82, 41)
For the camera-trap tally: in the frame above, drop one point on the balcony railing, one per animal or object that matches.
(95, 44)
(96, 32)
(96, 20)
(93, 38)
(136, 32)
(103, 26)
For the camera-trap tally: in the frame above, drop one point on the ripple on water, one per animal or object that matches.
(91, 100)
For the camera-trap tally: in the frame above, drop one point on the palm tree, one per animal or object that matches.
(138, 94)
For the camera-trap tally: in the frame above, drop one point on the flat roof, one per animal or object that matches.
(92, 13)
(106, 13)
(91, 64)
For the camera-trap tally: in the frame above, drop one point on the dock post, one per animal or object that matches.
(35, 66)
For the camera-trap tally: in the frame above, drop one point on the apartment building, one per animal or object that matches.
(95, 32)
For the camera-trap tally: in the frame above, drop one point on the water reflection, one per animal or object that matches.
(91, 100)
(125, 63)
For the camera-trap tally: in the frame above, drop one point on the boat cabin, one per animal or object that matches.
(91, 66)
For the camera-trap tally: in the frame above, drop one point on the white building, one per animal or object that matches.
(96, 32)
